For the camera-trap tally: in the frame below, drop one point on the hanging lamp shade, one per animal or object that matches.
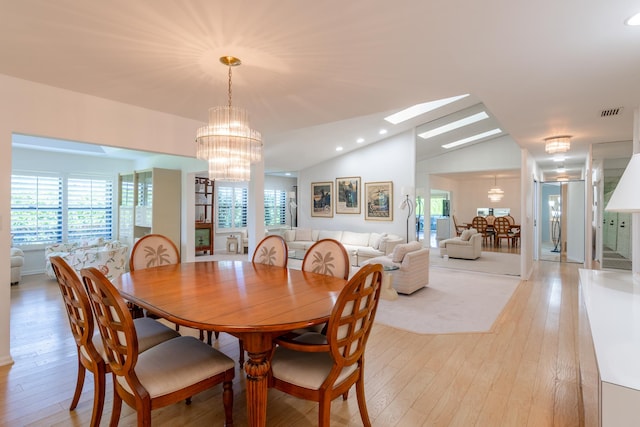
(495, 193)
(228, 143)
(557, 144)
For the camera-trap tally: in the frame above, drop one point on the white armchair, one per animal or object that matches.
(467, 246)
(412, 261)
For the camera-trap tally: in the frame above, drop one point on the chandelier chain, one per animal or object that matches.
(229, 86)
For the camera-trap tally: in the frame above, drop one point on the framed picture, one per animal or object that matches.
(348, 195)
(322, 199)
(379, 201)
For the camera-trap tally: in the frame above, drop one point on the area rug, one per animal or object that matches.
(489, 262)
(454, 302)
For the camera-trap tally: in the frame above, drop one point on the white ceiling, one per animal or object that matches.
(320, 74)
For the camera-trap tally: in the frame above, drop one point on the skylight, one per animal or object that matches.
(454, 125)
(634, 20)
(472, 138)
(418, 109)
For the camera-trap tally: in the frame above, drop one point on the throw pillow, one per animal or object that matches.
(303, 234)
(399, 252)
(466, 235)
(374, 240)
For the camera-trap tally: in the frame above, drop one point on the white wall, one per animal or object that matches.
(392, 159)
(35, 109)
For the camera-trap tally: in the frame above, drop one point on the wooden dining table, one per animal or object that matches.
(253, 302)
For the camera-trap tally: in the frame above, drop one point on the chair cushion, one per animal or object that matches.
(177, 363)
(355, 239)
(466, 235)
(401, 250)
(305, 369)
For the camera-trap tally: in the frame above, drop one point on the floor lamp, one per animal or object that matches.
(292, 206)
(406, 203)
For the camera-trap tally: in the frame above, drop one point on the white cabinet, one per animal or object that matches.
(609, 332)
(149, 202)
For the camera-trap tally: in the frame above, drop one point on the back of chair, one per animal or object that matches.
(490, 219)
(153, 250)
(352, 316)
(501, 226)
(480, 224)
(115, 323)
(272, 250)
(327, 256)
(511, 220)
(78, 308)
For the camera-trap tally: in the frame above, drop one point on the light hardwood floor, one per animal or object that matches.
(523, 373)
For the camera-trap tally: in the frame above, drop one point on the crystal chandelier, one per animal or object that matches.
(557, 144)
(228, 143)
(495, 194)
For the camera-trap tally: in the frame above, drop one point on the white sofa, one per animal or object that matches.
(360, 246)
(467, 246)
(412, 260)
(111, 258)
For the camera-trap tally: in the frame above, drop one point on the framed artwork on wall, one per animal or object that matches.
(379, 201)
(348, 195)
(322, 199)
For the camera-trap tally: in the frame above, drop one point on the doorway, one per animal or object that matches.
(561, 235)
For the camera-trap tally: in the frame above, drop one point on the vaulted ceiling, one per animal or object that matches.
(316, 75)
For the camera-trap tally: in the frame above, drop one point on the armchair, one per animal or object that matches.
(412, 261)
(467, 246)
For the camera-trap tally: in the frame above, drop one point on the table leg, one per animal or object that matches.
(257, 370)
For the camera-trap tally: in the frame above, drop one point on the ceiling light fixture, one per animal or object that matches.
(382, 131)
(360, 140)
(339, 148)
(557, 144)
(634, 20)
(495, 194)
(228, 143)
(473, 138)
(419, 109)
(454, 125)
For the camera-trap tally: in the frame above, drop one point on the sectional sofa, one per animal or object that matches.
(360, 246)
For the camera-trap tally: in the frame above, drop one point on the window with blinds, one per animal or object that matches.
(275, 207)
(231, 209)
(48, 209)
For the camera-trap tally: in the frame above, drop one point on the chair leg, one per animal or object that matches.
(99, 383)
(209, 335)
(227, 401)
(241, 350)
(117, 407)
(79, 384)
(324, 412)
(362, 403)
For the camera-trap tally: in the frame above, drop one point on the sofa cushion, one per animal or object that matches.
(466, 235)
(374, 240)
(303, 234)
(355, 239)
(401, 250)
(330, 234)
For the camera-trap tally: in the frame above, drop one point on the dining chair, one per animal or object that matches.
(167, 373)
(515, 231)
(480, 224)
(321, 367)
(459, 228)
(329, 257)
(502, 230)
(155, 250)
(91, 355)
(490, 219)
(272, 250)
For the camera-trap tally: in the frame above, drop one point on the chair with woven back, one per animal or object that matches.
(480, 224)
(155, 250)
(167, 373)
(272, 250)
(515, 230)
(91, 355)
(322, 367)
(502, 230)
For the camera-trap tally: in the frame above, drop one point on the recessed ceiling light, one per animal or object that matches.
(360, 140)
(339, 148)
(472, 138)
(634, 20)
(288, 173)
(454, 125)
(418, 109)
(382, 131)
(561, 169)
(559, 158)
